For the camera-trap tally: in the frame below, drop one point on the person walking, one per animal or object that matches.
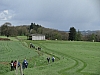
(48, 59)
(15, 63)
(12, 65)
(25, 64)
(53, 59)
(30, 45)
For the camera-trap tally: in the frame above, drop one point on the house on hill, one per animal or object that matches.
(36, 37)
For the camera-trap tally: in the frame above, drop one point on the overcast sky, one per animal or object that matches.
(56, 14)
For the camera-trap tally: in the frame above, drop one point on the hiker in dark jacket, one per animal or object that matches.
(53, 59)
(15, 63)
(25, 64)
(48, 59)
(12, 65)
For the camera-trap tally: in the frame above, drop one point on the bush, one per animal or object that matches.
(5, 39)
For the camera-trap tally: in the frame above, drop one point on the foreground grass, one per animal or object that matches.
(13, 50)
(72, 58)
(80, 58)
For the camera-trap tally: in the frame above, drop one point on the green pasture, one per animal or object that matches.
(18, 38)
(71, 57)
(75, 58)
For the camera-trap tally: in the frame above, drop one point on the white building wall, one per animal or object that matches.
(38, 37)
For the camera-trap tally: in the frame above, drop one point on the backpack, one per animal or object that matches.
(14, 64)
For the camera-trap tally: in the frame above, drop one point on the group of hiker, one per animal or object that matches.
(15, 64)
(48, 59)
(32, 46)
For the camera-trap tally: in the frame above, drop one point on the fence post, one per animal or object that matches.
(16, 71)
(35, 64)
(21, 70)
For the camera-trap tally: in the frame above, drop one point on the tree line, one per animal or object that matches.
(24, 30)
(7, 29)
(77, 36)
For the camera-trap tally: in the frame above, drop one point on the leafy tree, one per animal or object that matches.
(35, 27)
(78, 36)
(92, 37)
(31, 26)
(64, 35)
(5, 29)
(40, 30)
(97, 36)
(22, 30)
(8, 30)
(72, 34)
(32, 31)
(13, 31)
(52, 34)
(0, 30)
(57, 35)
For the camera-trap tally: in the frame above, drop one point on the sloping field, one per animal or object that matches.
(76, 58)
(13, 50)
(72, 58)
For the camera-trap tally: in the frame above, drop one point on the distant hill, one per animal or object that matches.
(86, 32)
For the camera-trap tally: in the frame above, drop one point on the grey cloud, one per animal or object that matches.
(57, 14)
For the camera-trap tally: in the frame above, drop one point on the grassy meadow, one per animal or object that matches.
(71, 57)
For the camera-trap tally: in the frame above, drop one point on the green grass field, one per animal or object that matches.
(71, 57)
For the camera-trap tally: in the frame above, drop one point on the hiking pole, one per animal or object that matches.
(16, 71)
(21, 70)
